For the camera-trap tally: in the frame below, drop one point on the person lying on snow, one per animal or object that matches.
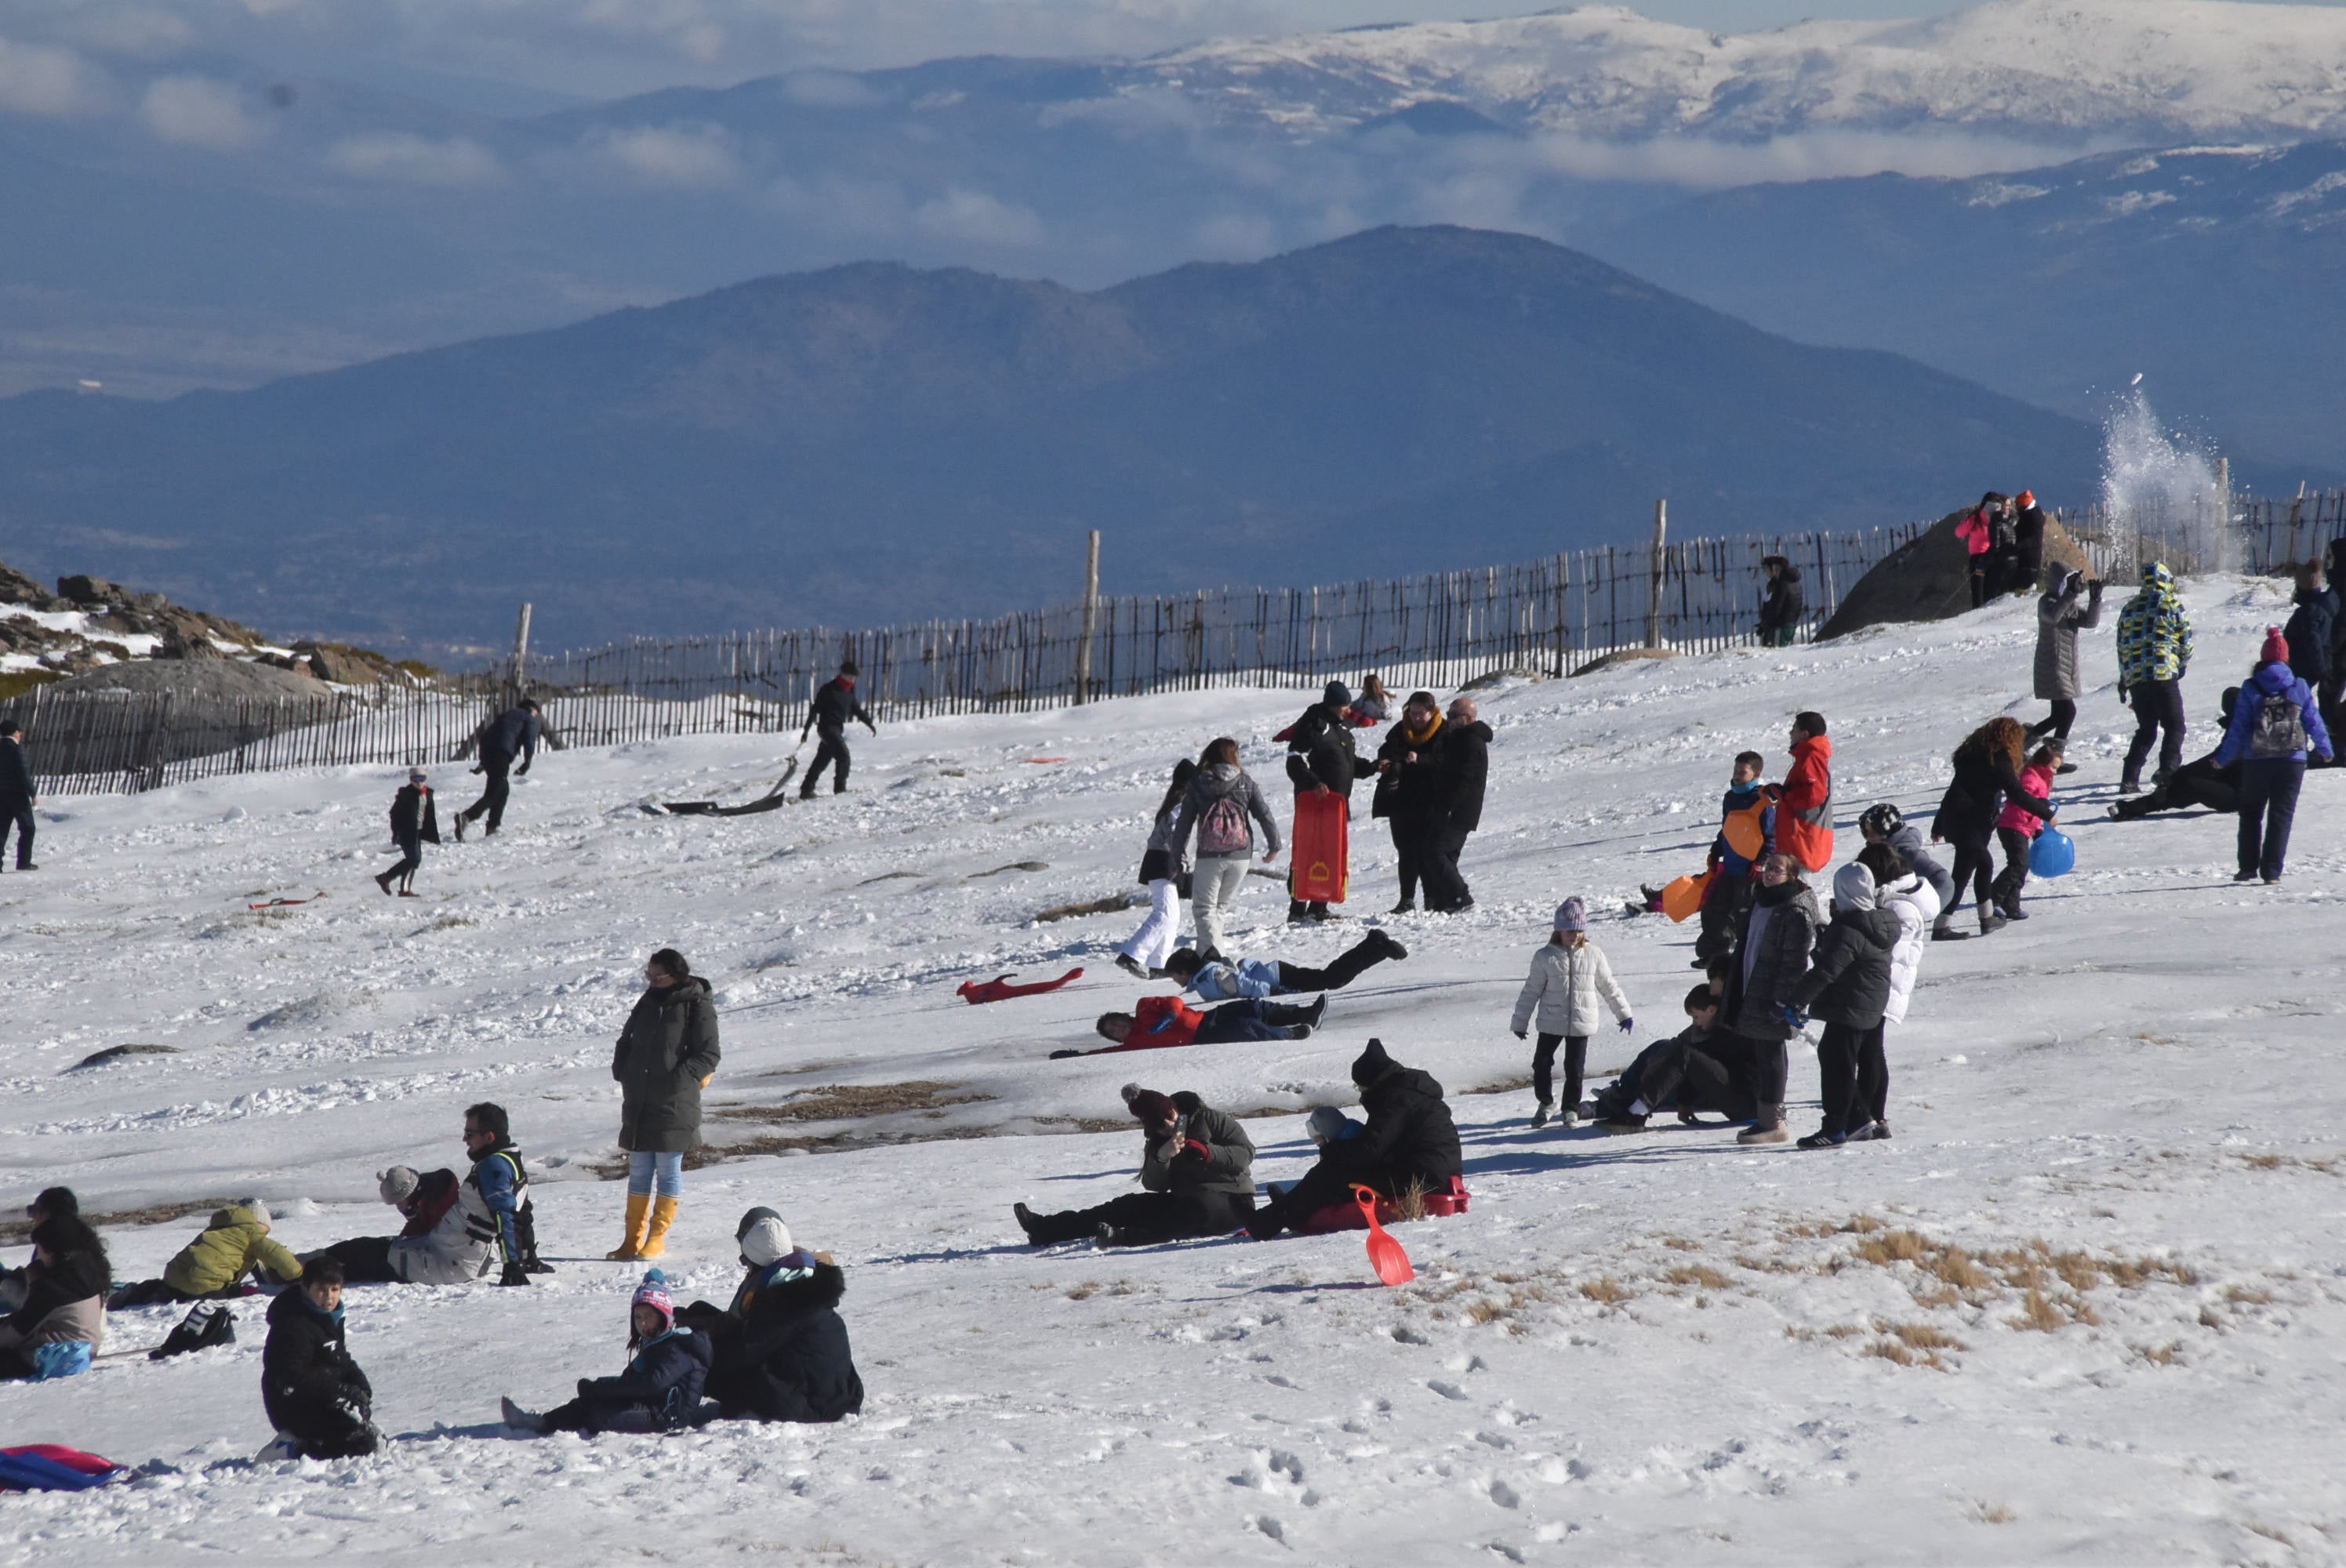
(62, 1321)
(317, 1397)
(1703, 1067)
(1198, 1165)
(2199, 782)
(1226, 979)
(1409, 1142)
(782, 1352)
(214, 1266)
(1157, 1022)
(667, 1366)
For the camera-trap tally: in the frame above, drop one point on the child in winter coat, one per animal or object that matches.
(1230, 978)
(660, 1391)
(2016, 827)
(1568, 975)
(414, 822)
(1848, 987)
(317, 1397)
(1143, 953)
(62, 1320)
(234, 1245)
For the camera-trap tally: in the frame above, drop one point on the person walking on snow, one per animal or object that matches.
(1804, 807)
(511, 734)
(1780, 609)
(1848, 987)
(2275, 723)
(1772, 955)
(1409, 793)
(1143, 954)
(1568, 973)
(1219, 806)
(828, 716)
(1321, 761)
(18, 792)
(1198, 1165)
(2060, 617)
(1978, 531)
(667, 1366)
(1463, 764)
(1230, 978)
(2016, 828)
(1987, 773)
(414, 822)
(665, 1057)
(2154, 654)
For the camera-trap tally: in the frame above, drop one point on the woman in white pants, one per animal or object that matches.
(1218, 805)
(1143, 952)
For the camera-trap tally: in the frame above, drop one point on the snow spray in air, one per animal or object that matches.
(2162, 486)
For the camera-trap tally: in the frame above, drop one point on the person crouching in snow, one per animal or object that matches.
(414, 822)
(1159, 1021)
(1568, 975)
(213, 1266)
(660, 1391)
(1703, 1067)
(317, 1397)
(2016, 827)
(1226, 979)
(782, 1353)
(1409, 1142)
(1198, 1165)
(1848, 987)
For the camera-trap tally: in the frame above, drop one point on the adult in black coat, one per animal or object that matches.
(1987, 774)
(2312, 627)
(1411, 793)
(1848, 988)
(1786, 600)
(511, 734)
(65, 1294)
(17, 793)
(828, 716)
(2027, 549)
(317, 1397)
(1464, 761)
(1410, 1141)
(788, 1360)
(2202, 781)
(414, 822)
(1320, 760)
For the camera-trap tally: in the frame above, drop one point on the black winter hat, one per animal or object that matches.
(847, 666)
(1336, 696)
(1371, 1064)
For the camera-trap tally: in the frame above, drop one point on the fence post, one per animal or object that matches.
(1091, 619)
(1653, 599)
(521, 654)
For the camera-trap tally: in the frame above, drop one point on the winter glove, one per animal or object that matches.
(515, 1274)
(1192, 1146)
(1627, 1024)
(1793, 1015)
(1523, 1033)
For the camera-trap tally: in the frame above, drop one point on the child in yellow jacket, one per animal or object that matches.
(234, 1245)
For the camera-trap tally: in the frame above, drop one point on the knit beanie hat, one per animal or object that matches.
(751, 1218)
(1853, 887)
(768, 1241)
(1370, 1064)
(1572, 915)
(1336, 695)
(2276, 650)
(1129, 1091)
(397, 1184)
(257, 1209)
(653, 1293)
(1152, 1108)
(1326, 1124)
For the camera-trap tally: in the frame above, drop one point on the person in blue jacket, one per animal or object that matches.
(1228, 980)
(667, 1366)
(1747, 833)
(2274, 724)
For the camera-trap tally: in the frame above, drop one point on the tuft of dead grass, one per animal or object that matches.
(851, 1102)
(1709, 1278)
(1606, 1291)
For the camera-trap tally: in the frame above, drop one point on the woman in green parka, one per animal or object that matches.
(666, 1056)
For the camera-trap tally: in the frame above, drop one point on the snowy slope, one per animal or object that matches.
(1661, 1349)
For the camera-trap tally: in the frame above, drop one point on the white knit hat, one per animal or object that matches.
(257, 1209)
(768, 1241)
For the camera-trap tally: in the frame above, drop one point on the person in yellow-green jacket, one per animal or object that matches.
(234, 1245)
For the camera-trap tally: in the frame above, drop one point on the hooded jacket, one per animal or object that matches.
(661, 1388)
(2154, 634)
(414, 815)
(513, 733)
(2061, 614)
(1916, 904)
(1409, 1130)
(1908, 841)
(1213, 784)
(2312, 628)
(1320, 751)
(1780, 931)
(1228, 981)
(1785, 600)
(1984, 779)
(1410, 792)
(308, 1381)
(789, 1359)
(1977, 530)
(1227, 1165)
(2273, 680)
(1849, 984)
(833, 708)
(2034, 779)
(1563, 988)
(65, 1299)
(232, 1246)
(667, 1048)
(1464, 763)
(1804, 808)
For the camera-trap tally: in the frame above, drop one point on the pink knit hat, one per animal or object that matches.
(2276, 649)
(653, 1293)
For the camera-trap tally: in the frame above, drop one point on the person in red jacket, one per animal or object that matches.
(1804, 807)
(1157, 1021)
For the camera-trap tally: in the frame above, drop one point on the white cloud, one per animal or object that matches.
(694, 157)
(198, 111)
(399, 159)
(975, 217)
(35, 80)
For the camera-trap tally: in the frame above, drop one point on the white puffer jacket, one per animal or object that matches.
(1563, 987)
(1916, 904)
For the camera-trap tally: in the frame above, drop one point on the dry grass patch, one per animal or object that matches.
(1606, 1291)
(852, 1102)
(16, 1227)
(1698, 1273)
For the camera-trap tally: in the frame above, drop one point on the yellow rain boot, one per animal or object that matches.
(656, 1238)
(639, 1205)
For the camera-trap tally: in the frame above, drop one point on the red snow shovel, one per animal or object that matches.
(1385, 1255)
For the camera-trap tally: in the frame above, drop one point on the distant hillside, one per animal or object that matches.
(873, 442)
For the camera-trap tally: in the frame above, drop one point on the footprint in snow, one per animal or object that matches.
(1447, 1390)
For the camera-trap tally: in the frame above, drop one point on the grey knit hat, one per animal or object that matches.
(397, 1184)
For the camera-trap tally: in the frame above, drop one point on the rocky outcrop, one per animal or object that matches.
(1930, 579)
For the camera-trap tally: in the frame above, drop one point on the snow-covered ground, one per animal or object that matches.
(2127, 1114)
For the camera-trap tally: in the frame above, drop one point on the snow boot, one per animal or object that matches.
(2129, 785)
(656, 1235)
(1822, 1139)
(1541, 1112)
(1407, 906)
(1392, 950)
(1131, 966)
(1768, 1129)
(383, 882)
(520, 1420)
(1026, 1218)
(1625, 1122)
(1990, 922)
(630, 1248)
(1944, 930)
(2248, 876)
(1105, 1237)
(1298, 911)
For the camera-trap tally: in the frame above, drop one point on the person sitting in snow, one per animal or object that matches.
(1159, 1023)
(1198, 1165)
(317, 1397)
(1410, 1142)
(667, 1366)
(52, 1201)
(781, 1350)
(213, 1267)
(62, 1321)
(1702, 1067)
(1226, 979)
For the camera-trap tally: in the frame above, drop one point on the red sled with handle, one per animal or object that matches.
(1451, 1199)
(1322, 851)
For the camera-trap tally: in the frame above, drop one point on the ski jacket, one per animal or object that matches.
(668, 1050)
(1464, 759)
(1746, 830)
(65, 1299)
(2028, 536)
(1410, 791)
(491, 1202)
(2154, 634)
(2034, 779)
(1780, 931)
(1227, 1165)
(1849, 984)
(833, 708)
(306, 1370)
(2059, 619)
(1908, 841)
(2312, 628)
(1320, 751)
(16, 782)
(1223, 780)
(1255, 977)
(1804, 808)
(1785, 600)
(1163, 1021)
(1162, 859)
(1977, 530)
(1563, 988)
(659, 1391)
(1916, 904)
(2275, 679)
(232, 1246)
(1984, 780)
(513, 733)
(789, 1359)
(444, 1251)
(1409, 1130)
(414, 816)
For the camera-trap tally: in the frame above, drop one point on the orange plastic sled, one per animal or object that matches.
(1684, 896)
(1323, 848)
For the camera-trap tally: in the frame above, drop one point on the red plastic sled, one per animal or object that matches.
(1322, 849)
(1000, 989)
(47, 1467)
(1351, 1216)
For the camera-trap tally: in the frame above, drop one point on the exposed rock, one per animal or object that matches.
(116, 1053)
(90, 593)
(1620, 657)
(184, 637)
(16, 588)
(223, 679)
(1930, 579)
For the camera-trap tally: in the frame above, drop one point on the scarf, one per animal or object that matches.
(1418, 738)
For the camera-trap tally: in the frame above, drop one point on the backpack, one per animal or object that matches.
(2280, 727)
(205, 1325)
(1222, 828)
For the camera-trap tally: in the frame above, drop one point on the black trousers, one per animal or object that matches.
(1341, 972)
(1576, 1067)
(1330, 1182)
(1250, 1018)
(1445, 889)
(1770, 1066)
(2015, 875)
(325, 1428)
(2057, 724)
(496, 793)
(2158, 712)
(2200, 783)
(1144, 1219)
(1975, 863)
(1409, 836)
(830, 751)
(20, 812)
(2268, 788)
(1979, 580)
(1853, 1077)
(365, 1259)
(1722, 915)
